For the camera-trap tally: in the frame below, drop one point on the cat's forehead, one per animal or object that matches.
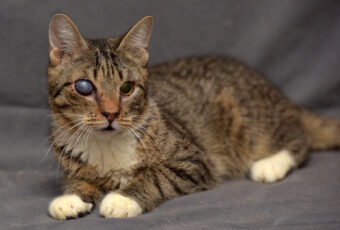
(103, 52)
(102, 45)
(101, 49)
(103, 66)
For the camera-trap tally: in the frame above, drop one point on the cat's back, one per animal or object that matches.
(186, 87)
(189, 83)
(205, 94)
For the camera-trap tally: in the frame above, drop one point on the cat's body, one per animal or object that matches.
(194, 122)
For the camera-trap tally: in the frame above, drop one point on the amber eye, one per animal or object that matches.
(84, 87)
(127, 88)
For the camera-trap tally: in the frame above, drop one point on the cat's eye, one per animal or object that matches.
(127, 88)
(84, 87)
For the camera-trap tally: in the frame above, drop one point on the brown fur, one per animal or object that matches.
(198, 119)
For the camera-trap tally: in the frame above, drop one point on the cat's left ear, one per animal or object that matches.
(135, 42)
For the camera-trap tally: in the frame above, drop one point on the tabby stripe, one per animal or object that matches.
(77, 170)
(120, 74)
(136, 191)
(179, 87)
(78, 158)
(108, 66)
(60, 148)
(61, 89)
(173, 184)
(115, 71)
(103, 69)
(182, 174)
(151, 138)
(64, 106)
(95, 73)
(97, 58)
(141, 170)
(198, 162)
(104, 66)
(157, 184)
(112, 70)
(140, 86)
(106, 53)
(113, 56)
(180, 127)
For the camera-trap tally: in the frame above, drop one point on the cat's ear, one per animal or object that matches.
(64, 38)
(135, 42)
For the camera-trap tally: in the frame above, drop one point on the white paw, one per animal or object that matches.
(115, 205)
(68, 207)
(272, 168)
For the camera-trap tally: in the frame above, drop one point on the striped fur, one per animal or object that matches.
(187, 125)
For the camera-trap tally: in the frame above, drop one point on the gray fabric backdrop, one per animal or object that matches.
(294, 43)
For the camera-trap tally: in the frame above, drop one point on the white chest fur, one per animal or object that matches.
(108, 153)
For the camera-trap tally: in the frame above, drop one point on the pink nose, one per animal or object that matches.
(110, 116)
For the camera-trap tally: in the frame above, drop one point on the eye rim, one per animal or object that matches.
(130, 91)
(81, 93)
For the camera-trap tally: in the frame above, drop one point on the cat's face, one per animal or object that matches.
(98, 84)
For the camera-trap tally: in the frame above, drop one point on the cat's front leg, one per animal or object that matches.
(155, 184)
(78, 200)
(116, 205)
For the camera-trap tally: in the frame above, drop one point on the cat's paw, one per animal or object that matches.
(115, 205)
(272, 168)
(69, 206)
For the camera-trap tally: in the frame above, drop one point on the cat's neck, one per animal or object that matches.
(112, 154)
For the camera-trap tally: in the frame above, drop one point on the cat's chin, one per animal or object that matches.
(108, 132)
(106, 135)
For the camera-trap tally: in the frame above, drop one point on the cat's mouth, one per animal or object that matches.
(108, 128)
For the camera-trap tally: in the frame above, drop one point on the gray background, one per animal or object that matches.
(294, 43)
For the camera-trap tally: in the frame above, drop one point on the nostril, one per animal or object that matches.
(110, 116)
(105, 114)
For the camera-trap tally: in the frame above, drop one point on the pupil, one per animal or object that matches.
(126, 87)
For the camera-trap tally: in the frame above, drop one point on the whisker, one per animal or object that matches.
(143, 116)
(126, 118)
(133, 136)
(140, 139)
(80, 134)
(88, 136)
(66, 145)
(154, 139)
(63, 114)
(85, 139)
(124, 123)
(95, 123)
(59, 135)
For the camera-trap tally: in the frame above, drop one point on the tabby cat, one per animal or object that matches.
(129, 137)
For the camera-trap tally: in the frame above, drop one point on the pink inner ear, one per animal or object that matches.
(55, 56)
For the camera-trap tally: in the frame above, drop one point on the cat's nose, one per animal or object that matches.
(110, 116)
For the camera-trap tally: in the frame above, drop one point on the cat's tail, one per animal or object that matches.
(324, 133)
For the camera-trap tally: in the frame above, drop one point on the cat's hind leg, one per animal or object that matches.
(293, 143)
(272, 168)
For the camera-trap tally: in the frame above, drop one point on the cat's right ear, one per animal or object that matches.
(64, 38)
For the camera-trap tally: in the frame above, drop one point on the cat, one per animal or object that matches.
(129, 137)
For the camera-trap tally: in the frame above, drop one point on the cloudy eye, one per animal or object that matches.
(127, 88)
(84, 87)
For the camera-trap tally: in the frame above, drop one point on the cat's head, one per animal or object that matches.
(98, 84)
